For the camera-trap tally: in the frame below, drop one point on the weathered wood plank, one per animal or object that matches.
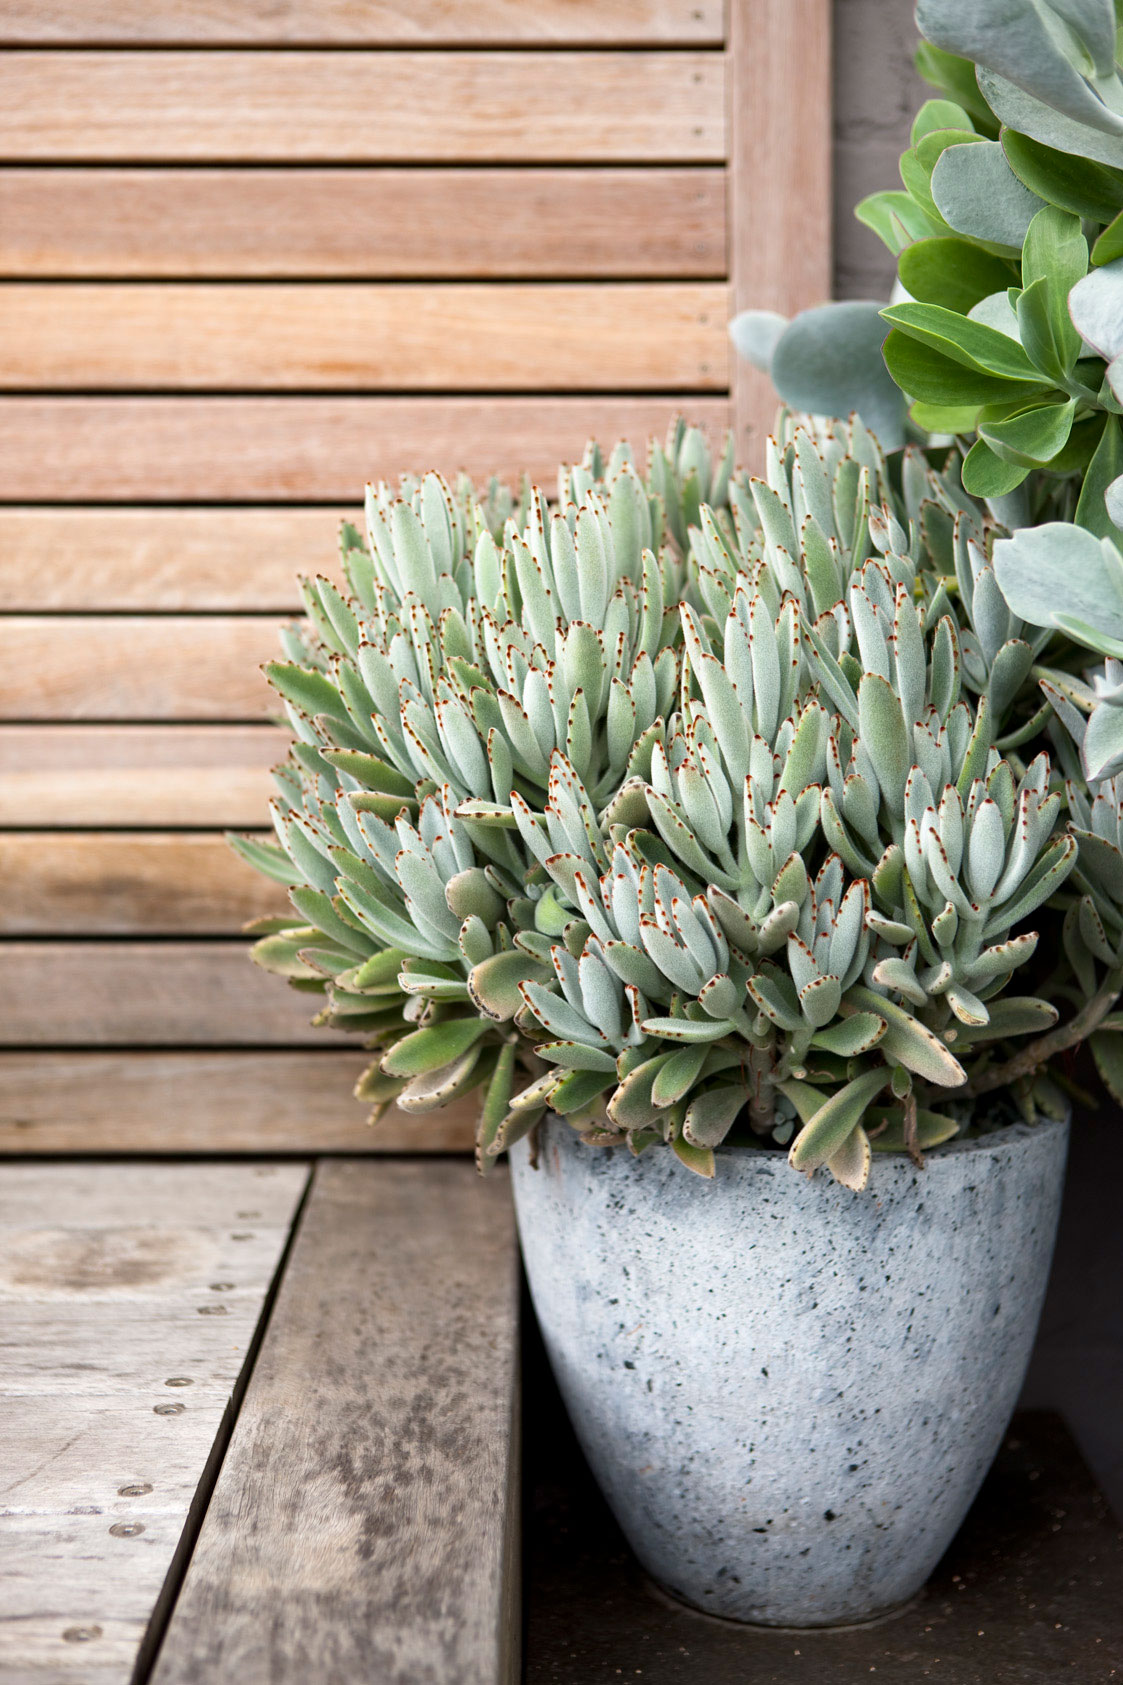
(155, 994)
(613, 336)
(132, 667)
(377, 23)
(209, 1102)
(392, 1468)
(115, 1387)
(140, 559)
(297, 450)
(63, 775)
(780, 169)
(120, 883)
(363, 107)
(362, 224)
(95, 1198)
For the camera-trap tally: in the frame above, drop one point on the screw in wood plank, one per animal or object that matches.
(179, 1381)
(247, 1216)
(80, 1634)
(126, 1529)
(222, 1287)
(137, 1489)
(242, 1237)
(212, 1310)
(168, 1409)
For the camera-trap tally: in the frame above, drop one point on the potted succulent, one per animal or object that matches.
(716, 829)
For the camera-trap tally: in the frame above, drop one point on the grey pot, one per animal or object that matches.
(788, 1392)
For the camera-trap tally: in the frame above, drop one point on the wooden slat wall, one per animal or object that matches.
(252, 255)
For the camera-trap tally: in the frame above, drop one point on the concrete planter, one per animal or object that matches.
(790, 1393)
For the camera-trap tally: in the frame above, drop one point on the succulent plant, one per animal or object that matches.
(1008, 235)
(688, 820)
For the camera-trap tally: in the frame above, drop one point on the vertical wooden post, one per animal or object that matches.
(779, 90)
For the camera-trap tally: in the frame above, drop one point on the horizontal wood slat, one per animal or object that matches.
(190, 559)
(172, 450)
(156, 994)
(362, 107)
(377, 23)
(89, 776)
(356, 223)
(438, 336)
(209, 1102)
(129, 667)
(124, 884)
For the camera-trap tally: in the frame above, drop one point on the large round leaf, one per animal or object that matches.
(978, 194)
(828, 361)
(1018, 40)
(1061, 575)
(955, 273)
(755, 333)
(1033, 117)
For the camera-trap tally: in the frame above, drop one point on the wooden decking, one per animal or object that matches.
(257, 1423)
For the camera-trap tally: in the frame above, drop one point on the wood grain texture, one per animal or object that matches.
(780, 166)
(362, 224)
(90, 776)
(298, 450)
(104, 1270)
(132, 667)
(392, 1467)
(376, 23)
(209, 1101)
(107, 883)
(155, 994)
(191, 559)
(616, 336)
(362, 107)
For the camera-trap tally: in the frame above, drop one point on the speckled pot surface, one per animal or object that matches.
(788, 1392)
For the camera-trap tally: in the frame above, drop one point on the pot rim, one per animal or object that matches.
(995, 1139)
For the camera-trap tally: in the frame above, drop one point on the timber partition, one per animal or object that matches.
(252, 255)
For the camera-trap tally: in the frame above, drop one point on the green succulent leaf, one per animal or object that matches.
(953, 272)
(826, 1131)
(428, 1050)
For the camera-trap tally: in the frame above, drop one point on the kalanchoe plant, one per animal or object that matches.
(1008, 233)
(749, 842)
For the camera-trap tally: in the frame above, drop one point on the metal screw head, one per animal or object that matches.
(80, 1634)
(242, 1237)
(136, 1489)
(126, 1529)
(168, 1409)
(222, 1287)
(212, 1310)
(247, 1216)
(179, 1381)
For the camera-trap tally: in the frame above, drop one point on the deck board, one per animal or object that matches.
(115, 1388)
(211, 1100)
(363, 1526)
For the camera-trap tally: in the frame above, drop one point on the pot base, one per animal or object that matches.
(663, 1595)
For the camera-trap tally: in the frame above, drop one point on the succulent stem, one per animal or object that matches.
(1047, 1047)
(762, 1104)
